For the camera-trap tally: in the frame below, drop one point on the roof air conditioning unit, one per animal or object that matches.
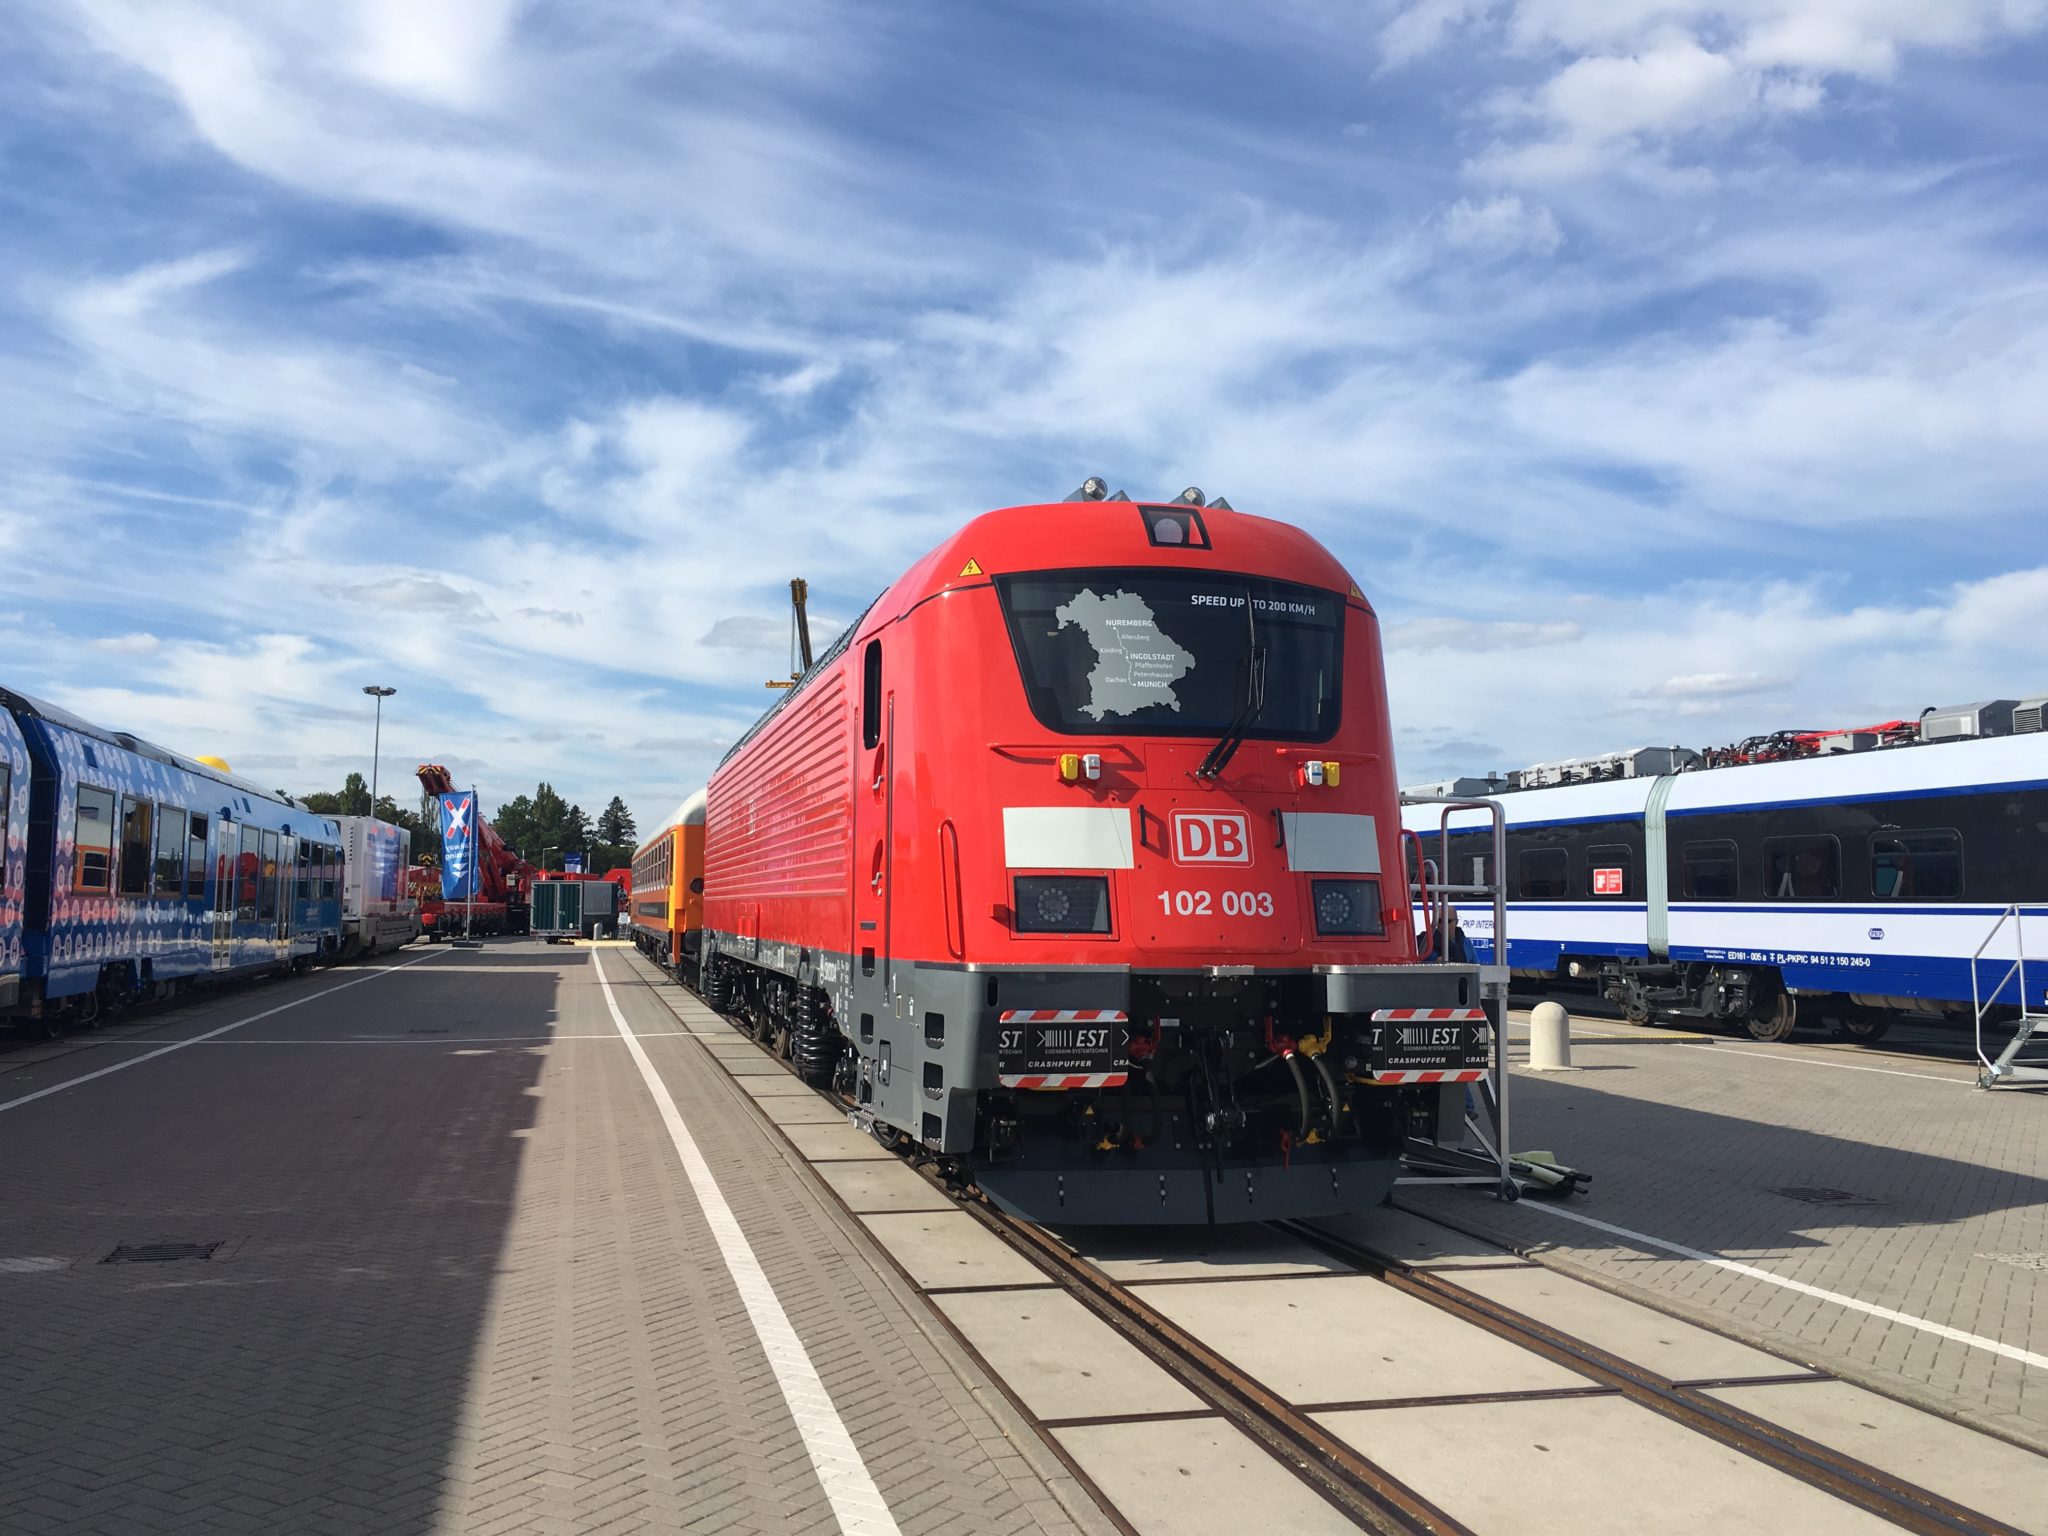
(2029, 716)
(1993, 717)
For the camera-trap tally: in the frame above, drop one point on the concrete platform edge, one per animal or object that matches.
(1060, 1479)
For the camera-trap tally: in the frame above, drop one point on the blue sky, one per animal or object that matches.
(1665, 371)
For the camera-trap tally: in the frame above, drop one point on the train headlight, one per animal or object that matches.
(1347, 908)
(1062, 903)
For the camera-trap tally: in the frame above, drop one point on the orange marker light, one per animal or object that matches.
(1070, 767)
(1331, 773)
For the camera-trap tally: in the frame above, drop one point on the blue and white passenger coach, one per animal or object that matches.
(132, 871)
(14, 784)
(1854, 886)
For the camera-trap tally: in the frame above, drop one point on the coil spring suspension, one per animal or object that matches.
(814, 1038)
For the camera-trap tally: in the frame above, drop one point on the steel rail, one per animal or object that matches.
(1856, 1482)
(1360, 1488)
(1366, 1492)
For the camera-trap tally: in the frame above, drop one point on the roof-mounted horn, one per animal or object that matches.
(1094, 488)
(1192, 497)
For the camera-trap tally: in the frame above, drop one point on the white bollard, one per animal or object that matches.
(1550, 1038)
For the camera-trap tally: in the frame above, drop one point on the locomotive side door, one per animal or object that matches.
(873, 799)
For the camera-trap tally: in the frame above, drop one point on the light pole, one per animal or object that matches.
(377, 749)
(544, 859)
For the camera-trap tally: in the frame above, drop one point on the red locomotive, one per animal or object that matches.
(1077, 860)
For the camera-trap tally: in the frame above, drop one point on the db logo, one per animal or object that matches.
(1211, 837)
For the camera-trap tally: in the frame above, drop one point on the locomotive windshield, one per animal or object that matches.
(1169, 653)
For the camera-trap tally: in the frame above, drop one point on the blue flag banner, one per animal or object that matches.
(572, 863)
(458, 845)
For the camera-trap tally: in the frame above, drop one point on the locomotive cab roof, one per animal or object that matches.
(1082, 535)
(1078, 535)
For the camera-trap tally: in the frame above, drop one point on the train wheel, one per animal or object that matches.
(1638, 1013)
(1866, 1027)
(1780, 1015)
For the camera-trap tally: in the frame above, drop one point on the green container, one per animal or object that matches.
(557, 909)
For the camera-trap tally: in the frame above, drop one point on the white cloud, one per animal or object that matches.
(164, 341)
(1774, 655)
(441, 52)
(137, 644)
(1502, 225)
(1628, 81)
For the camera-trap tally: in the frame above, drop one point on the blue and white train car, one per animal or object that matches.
(1854, 886)
(14, 787)
(144, 871)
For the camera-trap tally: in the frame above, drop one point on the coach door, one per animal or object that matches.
(287, 891)
(873, 824)
(224, 894)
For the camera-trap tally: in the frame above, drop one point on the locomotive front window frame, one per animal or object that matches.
(1199, 629)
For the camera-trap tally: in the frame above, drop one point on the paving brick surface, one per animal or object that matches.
(464, 1285)
(1690, 1142)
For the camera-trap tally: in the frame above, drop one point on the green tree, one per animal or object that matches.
(615, 826)
(355, 796)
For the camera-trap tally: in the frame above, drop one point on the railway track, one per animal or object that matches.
(1369, 1495)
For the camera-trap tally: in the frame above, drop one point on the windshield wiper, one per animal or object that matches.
(1254, 700)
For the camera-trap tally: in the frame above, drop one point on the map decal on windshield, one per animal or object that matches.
(1136, 664)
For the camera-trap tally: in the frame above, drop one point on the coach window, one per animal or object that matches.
(330, 874)
(1610, 871)
(1541, 874)
(248, 862)
(1802, 868)
(1707, 871)
(138, 847)
(1916, 866)
(871, 695)
(195, 860)
(93, 832)
(266, 895)
(170, 851)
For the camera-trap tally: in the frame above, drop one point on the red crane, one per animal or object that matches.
(502, 878)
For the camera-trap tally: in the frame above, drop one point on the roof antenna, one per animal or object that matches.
(1094, 488)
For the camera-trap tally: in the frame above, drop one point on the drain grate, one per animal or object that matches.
(159, 1253)
(1820, 1194)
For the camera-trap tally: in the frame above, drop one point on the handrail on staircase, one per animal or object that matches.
(2006, 1066)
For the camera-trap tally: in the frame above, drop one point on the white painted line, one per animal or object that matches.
(1839, 1066)
(645, 1034)
(179, 1045)
(1942, 1330)
(856, 1502)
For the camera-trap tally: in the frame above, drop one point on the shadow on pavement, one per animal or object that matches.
(311, 1375)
